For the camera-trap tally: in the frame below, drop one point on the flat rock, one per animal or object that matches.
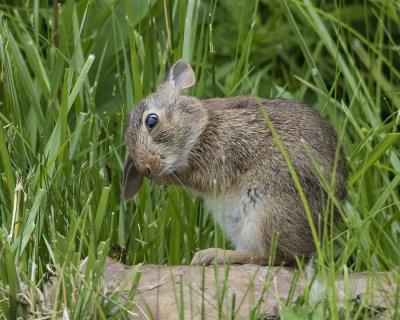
(168, 291)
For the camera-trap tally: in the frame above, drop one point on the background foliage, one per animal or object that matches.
(71, 71)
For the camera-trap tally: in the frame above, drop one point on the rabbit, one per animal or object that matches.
(224, 150)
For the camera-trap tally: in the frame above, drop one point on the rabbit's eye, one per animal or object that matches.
(151, 121)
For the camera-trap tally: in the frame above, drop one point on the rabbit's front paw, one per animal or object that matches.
(208, 256)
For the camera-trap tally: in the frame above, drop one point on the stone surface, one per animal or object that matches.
(251, 287)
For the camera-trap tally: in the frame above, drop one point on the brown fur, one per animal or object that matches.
(196, 141)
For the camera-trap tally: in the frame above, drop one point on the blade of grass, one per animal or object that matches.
(19, 245)
(79, 82)
(5, 159)
(373, 156)
(101, 210)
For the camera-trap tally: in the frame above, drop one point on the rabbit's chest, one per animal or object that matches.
(238, 216)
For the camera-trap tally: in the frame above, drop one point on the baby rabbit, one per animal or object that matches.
(224, 146)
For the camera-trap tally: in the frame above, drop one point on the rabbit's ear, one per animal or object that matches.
(132, 180)
(180, 75)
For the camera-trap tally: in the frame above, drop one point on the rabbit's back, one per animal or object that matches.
(238, 137)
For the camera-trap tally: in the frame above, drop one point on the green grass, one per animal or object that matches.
(67, 82)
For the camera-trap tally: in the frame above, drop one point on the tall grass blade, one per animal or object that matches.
(373, 156)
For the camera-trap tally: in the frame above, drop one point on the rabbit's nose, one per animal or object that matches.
(152, 166)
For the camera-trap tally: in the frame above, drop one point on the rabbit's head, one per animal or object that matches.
(162, 129)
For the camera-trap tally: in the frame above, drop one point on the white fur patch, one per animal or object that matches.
(237, 216)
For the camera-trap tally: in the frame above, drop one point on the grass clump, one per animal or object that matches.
(70, 72)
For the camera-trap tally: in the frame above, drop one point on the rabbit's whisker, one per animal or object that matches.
(187, 191)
